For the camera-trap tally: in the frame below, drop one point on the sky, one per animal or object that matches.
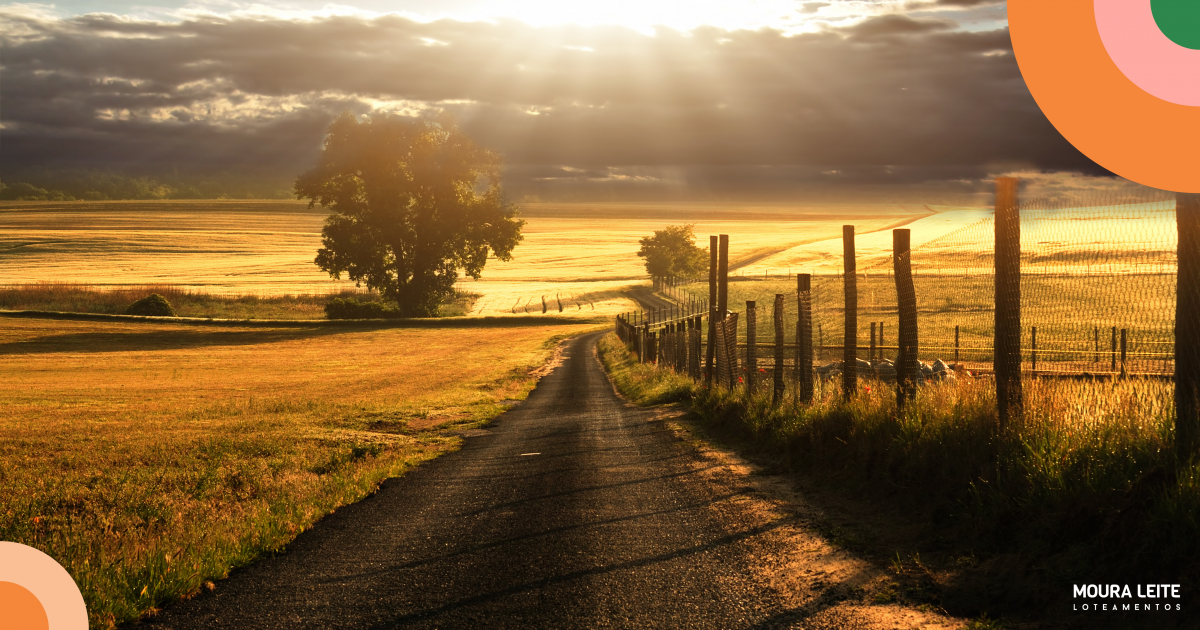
(624, 99)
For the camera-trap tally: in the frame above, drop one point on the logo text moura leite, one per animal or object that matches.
(1139, 591)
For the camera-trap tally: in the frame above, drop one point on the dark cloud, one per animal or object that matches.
(711, 110)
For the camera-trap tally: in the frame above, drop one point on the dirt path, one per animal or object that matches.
(574, 510)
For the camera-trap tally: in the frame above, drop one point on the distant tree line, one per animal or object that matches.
(99, 185)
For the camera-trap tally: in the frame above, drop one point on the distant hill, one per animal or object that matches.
(100, 185)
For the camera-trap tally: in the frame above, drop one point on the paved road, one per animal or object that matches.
(574, 510)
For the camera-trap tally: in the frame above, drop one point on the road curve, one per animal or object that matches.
(573, 510)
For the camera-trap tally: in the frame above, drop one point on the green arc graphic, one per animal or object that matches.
(1179, 20)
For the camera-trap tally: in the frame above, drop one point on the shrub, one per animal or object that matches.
(151, 305)
(350, 308)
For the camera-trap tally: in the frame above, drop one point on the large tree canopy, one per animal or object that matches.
(672, 251)
(412, 201)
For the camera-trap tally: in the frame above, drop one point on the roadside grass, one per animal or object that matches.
(149, 458)
(644, 384)
(67, 297)
(1085, 490)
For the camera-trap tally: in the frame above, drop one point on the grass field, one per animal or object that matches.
(151, 458)
(82, 298)
(576, 256)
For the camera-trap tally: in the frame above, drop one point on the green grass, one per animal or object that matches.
(1086, 488)
(642, 383)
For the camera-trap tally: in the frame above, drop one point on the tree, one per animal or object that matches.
(672, 252)
(412, 201)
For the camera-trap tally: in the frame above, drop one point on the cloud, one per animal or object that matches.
(915, 95)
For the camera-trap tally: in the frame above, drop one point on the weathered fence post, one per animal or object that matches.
(1033, 349)
(682, 338)
(804, 349)
(1113, 352)
(1187, 327)
(1096, 345)
(906, 301)
(1007, 362)
(871, 354)
(850, 343)
(751, 346)
(777, 373)
(1124, 368)
(723, 277)
(711, 353)
(956, 359)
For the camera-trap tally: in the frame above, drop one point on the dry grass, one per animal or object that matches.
(1087, 484)
(239, 248)
(150, 458)
(581, 255)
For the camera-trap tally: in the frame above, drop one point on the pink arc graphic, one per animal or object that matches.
(1145, 55)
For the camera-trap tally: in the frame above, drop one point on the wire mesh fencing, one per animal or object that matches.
(1097, 291)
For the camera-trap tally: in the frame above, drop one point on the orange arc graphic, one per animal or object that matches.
(1094, 106)
(20, 609)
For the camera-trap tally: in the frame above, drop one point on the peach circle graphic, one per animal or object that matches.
(20, 609)
(1091, 102)
(46, 582)
(1145, 54)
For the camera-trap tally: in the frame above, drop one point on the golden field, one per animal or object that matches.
(150, 458)
(580, 256)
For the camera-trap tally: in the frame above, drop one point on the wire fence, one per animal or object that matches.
(1097, 291)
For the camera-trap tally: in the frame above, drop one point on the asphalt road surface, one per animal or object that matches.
(573, 510)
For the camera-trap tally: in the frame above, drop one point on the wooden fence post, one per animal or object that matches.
(751, 346)
(956, 359)
(1113, 352)
(804, 347)
(711, 353)
(1124, 365)
(681, 345)
(723, 277)
(1187, 328)
(907, 366)
(850, 343)
(1033, 349)
(871, 353)
(777, 373)
(1007, 362)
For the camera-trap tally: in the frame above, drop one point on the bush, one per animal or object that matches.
(350, 308)
(153, 305)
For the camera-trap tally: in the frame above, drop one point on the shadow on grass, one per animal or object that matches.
(440, 322)
(154, 340)
(198, 333)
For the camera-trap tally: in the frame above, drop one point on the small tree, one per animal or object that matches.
(672, 252)
(412, 201)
